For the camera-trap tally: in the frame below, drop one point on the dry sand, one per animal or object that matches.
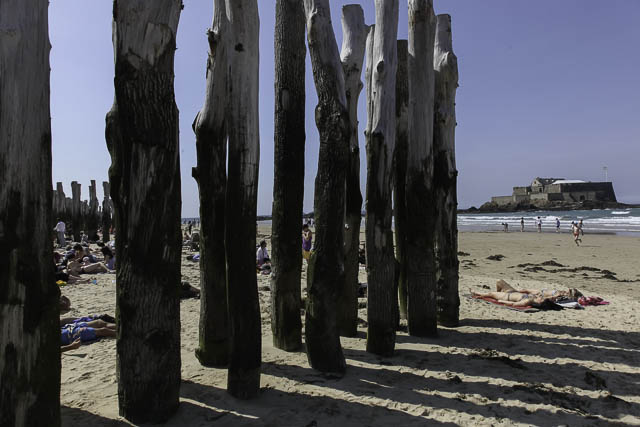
(500, 367)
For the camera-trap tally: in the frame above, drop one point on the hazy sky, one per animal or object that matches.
(547, 88)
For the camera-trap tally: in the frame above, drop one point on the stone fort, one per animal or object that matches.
(544, 190)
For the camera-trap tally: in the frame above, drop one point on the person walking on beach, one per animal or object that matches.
(557, 225)
(307, 238)
(539, 225)
(522, 224)
(580, 228)
(575, 229)
(60, 229)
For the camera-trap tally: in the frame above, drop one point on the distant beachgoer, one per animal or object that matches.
(84, 239)
(307, 238)
(109, 258)
(580, 226)
(262, 255)
(505, 227)
(521, 224)
(539, 223)
(60, 229)
(557, 225)
(575, 230)
(189, 226)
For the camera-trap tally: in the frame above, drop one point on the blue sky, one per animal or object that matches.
(547, 88)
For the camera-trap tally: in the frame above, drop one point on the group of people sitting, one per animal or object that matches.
(508, 295)
(79, 260)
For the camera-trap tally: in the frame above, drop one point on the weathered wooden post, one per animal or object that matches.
(421, 268)
(76, 210)
(92, 215)
(382, 302)
(400, 173)
(142, 137)
(332, 119)
(243, 379)
(58, 202)
(445, 173)
(354, 39)
(106, 212)
(288, 174)
(211, 176)
(29, 298)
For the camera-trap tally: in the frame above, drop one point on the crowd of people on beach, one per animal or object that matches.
(73, 262)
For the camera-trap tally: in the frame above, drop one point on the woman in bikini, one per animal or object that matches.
(508, 295)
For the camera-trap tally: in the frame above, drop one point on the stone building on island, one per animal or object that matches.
(545, 191)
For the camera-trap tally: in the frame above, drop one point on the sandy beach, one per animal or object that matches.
(500, 367)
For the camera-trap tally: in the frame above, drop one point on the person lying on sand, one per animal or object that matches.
(76, 268)
(507, 295)
(502, 286)
(72, 335)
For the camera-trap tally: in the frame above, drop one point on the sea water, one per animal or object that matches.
(601, 221)
(608, 221)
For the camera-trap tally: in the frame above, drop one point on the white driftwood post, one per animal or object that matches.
(354, 38)
(399, 175)
(421, 268)
(243, 379)
(332, 119)
(445, 173)
(142, 137)
(106, 212)
(29, 298)
(288, 174)
(211, 176)
(382, 300)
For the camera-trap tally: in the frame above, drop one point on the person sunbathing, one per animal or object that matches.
(513, 298)
(72, 335)
(502, 286)
(77, 268)
(508, 295)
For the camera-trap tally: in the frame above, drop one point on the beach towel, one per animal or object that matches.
(592, 301)
(527, 309)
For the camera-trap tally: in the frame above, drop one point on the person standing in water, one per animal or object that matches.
(522, 224)
(557, 225)
(539, 225)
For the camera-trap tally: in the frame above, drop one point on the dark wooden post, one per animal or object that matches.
(382, 297)
(211, 176)
(421, 268)
(29, 298)
(106, 212)
(288, 174)
(399, 174)
(58, 203)
(326, 265)
(92, 214)
(142, 137)
(445, 173)
(243, 380)
(76, 210)
(354, 40)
